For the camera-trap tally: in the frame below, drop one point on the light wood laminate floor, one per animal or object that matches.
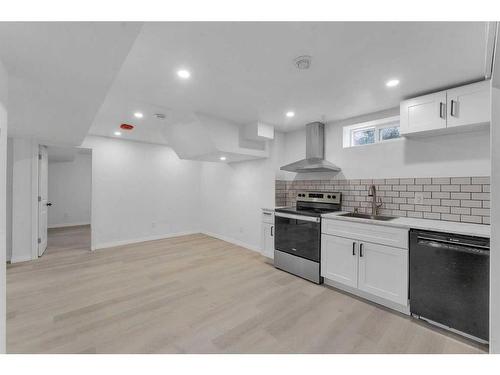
(193, 294)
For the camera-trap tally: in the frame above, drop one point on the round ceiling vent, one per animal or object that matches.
(302, 62)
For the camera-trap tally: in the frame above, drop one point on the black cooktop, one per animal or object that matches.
(306, 211)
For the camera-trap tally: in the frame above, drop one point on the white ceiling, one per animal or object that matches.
(57, 154)
(60, 73)
(243, 72)
(65, 77)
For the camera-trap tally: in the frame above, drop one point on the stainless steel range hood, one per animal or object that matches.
(315, 152)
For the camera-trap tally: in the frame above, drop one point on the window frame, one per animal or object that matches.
(377, 125)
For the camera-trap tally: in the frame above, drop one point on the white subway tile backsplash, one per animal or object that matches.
(414, 214)
(432, 187)
(460, 196)
(481, 196)
(445, 198)
(471, 188)
(415, 188)
(432, 215)
(460, 180)
(455, 188)
(441, 194)
(481, 180)
(469, 203)
(471, 219)
(441, 181)
(480, 211)
(406, 181)
(450, 202)
(450, 217)
(460, 210)
(423, 181)
(441, 209)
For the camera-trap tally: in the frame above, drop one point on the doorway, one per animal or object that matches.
(64, 200)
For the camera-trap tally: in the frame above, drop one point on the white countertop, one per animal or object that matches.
(479, 230)
(267, 209)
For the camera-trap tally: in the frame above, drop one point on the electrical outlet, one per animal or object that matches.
(153, 224)
(419, 198)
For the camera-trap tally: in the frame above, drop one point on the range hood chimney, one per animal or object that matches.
(315, 152)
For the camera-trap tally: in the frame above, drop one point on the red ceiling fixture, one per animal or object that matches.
(126, 127)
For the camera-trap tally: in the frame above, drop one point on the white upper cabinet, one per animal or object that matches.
(423, 113)
(469, 104)
(462, 106)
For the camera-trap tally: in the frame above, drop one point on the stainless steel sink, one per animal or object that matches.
(368, 216)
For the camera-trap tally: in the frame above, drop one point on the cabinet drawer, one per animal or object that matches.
(268, 217)
(381, 234)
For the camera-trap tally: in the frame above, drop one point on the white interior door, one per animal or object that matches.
(42, 199)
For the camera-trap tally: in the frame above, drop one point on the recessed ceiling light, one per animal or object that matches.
(290, 114)
(138, 115)
(222, 158)
(183, 73)
(118, 133)
(392, 83)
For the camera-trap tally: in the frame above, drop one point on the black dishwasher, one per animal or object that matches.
(449, 281)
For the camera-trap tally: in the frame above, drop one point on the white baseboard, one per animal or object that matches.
(105, 245)
(20, 259)
(232, 240)
(52, 226)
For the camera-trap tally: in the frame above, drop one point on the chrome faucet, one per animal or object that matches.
(372, 192)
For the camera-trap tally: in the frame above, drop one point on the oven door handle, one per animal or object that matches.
(298, 217)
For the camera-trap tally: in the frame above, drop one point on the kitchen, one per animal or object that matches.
(409, 244)
(328, 198)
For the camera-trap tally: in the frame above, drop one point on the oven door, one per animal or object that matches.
(298, 235)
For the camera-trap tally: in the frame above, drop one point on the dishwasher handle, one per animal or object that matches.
(445, 245)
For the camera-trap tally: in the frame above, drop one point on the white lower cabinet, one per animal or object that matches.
(267, 233)
(339, 260)
(366, 268)
(383, 271)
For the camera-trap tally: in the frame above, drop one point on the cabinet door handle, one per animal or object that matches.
(361, 250)
(441, 110)
(452, 108)
(354, 248)
(272, 226)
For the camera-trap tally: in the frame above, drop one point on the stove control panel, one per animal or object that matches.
(319, 196)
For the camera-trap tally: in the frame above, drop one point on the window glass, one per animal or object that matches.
(363, 136)
(389, 133)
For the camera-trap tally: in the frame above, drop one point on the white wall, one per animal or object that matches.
(233, 195)
(10, 154)
(141, 191)
(3, 200)
(70, 190)
(24, 205)
(466, 154)
(495, 210)
(495, 220)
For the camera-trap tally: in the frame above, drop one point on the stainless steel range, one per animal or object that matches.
(297, 240)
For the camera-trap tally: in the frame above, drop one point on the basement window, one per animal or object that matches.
(371, 132)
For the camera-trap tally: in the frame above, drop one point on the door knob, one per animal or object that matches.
(49, 204)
